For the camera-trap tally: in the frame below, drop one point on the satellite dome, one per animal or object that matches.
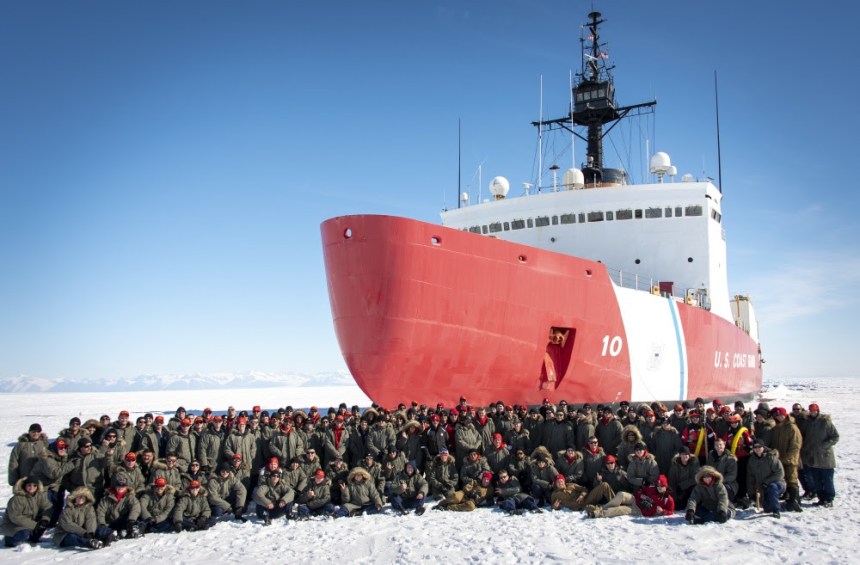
(573, 179)
(499, 187)
(660, 163)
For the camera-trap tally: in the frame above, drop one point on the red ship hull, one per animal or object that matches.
(429, 314)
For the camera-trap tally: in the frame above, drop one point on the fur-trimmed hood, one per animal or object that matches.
(19, 486)
(359, 471)
(541, 450)
(92, 422)
(630, 429)
(411, 424)
(708, 471)
(80, 491)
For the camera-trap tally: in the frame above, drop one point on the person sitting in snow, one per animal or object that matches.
(709, 500)
(652, 500)
(27, 515)
(77, 524)
(473, 495)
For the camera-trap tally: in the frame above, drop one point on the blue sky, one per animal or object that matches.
(165, 166)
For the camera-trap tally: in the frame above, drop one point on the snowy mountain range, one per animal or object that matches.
(254, 379)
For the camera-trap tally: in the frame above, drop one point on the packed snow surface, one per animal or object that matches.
(485, 536)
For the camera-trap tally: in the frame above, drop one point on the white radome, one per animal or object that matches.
(660, 163)
(499, 187)
(573, 179)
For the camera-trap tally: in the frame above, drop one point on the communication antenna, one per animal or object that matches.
(719, 156)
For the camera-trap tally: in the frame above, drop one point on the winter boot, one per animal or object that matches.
(95, 543)
(793, 503)
(420, 510)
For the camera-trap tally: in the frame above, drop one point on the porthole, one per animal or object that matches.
(347, 233)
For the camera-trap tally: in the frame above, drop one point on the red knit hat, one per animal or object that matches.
(559, 477)
(814, 407)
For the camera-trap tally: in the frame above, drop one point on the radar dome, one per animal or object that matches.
(499, 187)
(573, 179)
(660, 163)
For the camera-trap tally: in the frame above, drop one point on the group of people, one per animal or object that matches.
(102, 480)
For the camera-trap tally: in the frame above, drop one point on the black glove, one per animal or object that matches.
(150, 522)
(721, 516)
(690, 515)
(177, 527)
(202, 523)
(44, 523)
(646, 503)
(237, 512)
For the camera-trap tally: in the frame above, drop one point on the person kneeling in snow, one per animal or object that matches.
(709, 500)
(648, 501)
(156, 506)
(117, 512)
(273, 497)
(409, 490)
(226, 493)
(192, 511)
(315, 499)
(359, 494)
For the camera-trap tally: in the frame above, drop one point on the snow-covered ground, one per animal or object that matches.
(815, 536)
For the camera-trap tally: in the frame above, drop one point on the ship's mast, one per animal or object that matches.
(594, 102)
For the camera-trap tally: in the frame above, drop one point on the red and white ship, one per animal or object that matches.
(592, 290)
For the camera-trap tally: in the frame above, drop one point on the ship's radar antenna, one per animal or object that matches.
(594, 106)
(660, 165)
(527, 186)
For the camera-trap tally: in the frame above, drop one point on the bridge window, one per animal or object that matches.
(568, 218)
(518, 224)
(654, 213)
(543, 221)
(693, 211)
(555, 220)
(624, 214)
(637, 214)
(530, 223)
(678, 211)
(475, 229)
(609, 216)
(595, 216)
(507, 226)
(581, 218)
(495, 227)
(484, 230)
(668, 212)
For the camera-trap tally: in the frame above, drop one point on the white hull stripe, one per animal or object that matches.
(682, 350)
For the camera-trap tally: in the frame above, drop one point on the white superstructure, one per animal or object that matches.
(668, 236)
